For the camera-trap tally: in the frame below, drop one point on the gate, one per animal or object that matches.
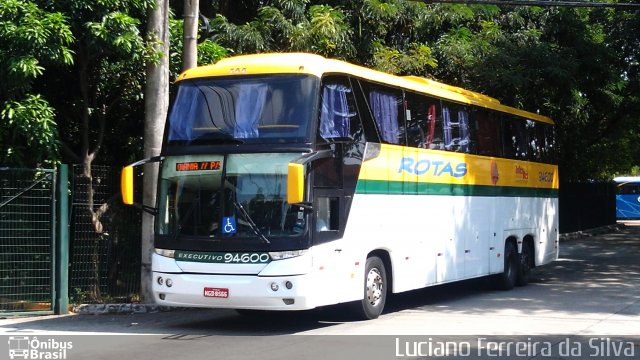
(27, 240)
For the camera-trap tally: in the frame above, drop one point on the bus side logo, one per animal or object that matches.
(432, 167)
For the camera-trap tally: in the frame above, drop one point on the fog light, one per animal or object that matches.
(288, 301)
(274, 286)
(161, 296)
(160, 280)
(288, 285)
(169, 283)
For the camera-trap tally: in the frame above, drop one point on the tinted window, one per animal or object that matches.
(516, 139)
(386, 106)
(424, 125)
(338, 112)
(488, 138)
(456, 128)
(263, 109)
(629, 189)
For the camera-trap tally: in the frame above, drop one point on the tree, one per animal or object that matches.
(190, 34)
(31, 41)
(156, 106)
(101, 90)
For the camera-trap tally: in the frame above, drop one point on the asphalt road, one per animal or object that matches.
(588, 297)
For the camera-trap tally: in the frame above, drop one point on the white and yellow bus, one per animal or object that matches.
(292, 181)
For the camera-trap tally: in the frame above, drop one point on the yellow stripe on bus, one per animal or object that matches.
(414, 165)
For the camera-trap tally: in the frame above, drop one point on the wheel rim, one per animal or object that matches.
(375, 287)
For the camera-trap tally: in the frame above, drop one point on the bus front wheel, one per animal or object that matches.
(375, 289)
(507, 279)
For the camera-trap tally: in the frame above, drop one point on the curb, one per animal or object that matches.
(110, 309)
(592, 232)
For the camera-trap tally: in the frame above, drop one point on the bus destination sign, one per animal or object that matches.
(199, 165)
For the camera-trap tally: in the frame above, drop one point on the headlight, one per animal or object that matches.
(166, 253)
(281, 255)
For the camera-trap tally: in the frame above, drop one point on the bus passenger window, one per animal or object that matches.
(424, 128)
(515, 139)
(386, 105)
(488, 133)
(338, 112)
(457, 132)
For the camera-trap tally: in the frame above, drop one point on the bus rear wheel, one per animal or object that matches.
(375, 290)
(525, 265)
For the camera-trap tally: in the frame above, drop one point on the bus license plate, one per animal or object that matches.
(216, 292)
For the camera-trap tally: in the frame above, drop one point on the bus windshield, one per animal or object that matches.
(243, 109)
(245, 201)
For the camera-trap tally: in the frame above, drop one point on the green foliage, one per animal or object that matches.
(31, 41)
(103, 99)
(416, 60)
(208, 51)
(28, 133)
(281, 27)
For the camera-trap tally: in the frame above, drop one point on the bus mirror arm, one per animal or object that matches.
(313, 156)
(296, 177)
(306, 206)
(148, 209)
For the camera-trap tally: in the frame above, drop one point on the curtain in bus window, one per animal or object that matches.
(185, 107)
(456, 133)
(446, 118)
(463, 120)
(384, 107)
(432, 126)
(251, 100)
(335, 115)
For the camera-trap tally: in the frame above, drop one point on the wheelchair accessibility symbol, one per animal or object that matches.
(229, 225)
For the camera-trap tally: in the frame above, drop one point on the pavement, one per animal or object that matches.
(593, 289)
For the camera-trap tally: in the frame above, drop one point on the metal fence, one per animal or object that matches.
(27, 241)
(586, 205)
(105, 245)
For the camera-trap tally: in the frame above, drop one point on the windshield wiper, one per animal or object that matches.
(247, 217)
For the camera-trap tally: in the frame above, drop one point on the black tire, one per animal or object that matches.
(525, 265)
(507, 279)
(375, 290)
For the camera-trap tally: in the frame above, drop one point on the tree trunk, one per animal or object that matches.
(190, 30)
(156, 102)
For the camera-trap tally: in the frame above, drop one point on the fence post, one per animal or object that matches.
(62, 245)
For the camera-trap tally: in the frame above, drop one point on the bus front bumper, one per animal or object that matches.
(233, 291)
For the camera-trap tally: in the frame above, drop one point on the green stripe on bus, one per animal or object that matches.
(414, 188)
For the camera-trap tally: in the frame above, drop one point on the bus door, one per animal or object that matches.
(334, 178)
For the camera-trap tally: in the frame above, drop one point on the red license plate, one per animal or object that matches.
(216, 292)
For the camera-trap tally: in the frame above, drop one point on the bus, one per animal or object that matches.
(289, 181)
(627, 197)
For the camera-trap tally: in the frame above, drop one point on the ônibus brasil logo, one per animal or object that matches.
(31, 348)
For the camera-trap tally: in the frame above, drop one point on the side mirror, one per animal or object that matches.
(126, 185)
(295, 183)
